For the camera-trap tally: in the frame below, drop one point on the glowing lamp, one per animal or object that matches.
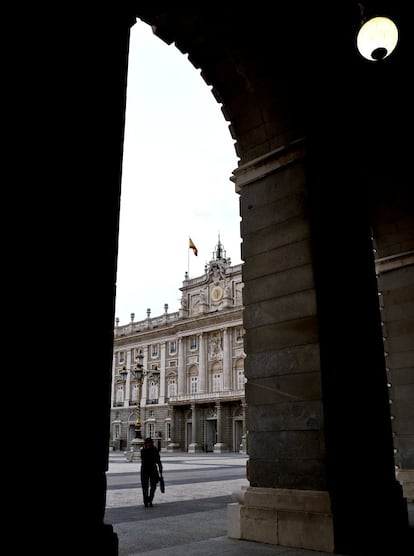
(377, 38)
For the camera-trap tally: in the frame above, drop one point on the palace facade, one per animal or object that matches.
(191, 395)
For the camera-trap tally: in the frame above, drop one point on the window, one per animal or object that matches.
(173, 346)
(173, 363)
(239, 334)
(135, 393)
(172, 387)
(151, 430)
(168, 431)
(193, 384)
(193, 342)
(154, 350)
(120, 395)
(121, 356)
(153, 390)
(240, 379)
(217, 382)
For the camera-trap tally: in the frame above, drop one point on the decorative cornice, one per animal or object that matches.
(269, 163)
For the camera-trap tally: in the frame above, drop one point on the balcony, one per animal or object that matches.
(225, 395)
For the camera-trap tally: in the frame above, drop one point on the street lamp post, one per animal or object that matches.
(139, 373)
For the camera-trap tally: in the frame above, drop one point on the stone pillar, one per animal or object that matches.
(144, 380)
(220, 446)
(202, 367)
(227, 359)
(173, 446)
(161, 386)
(194, 446)
(289, 504)
(181, 368)
(395, 279)
(309, 321)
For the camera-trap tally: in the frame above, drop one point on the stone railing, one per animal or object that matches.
(199, 396)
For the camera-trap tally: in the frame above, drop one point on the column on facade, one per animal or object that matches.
(220, 446)
(193, 446)
(181, 368)
(218, 413)
(173, 445)
(226, 359)
(127, 391)
(161, 386)
(142, 394)
(172, 425)
(202, 367)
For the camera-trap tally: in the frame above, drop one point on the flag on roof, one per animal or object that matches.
(193, 247)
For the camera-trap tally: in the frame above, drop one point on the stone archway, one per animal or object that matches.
(315, 162)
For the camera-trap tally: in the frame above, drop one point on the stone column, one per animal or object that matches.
(227, 359)
(173, 446)
(395, 281)
(181, 368)
(161, 386)
(194, 446)
(219, 446)
(287, 460)
(202, 367)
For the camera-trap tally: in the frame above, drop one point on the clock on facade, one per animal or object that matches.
(216, 293)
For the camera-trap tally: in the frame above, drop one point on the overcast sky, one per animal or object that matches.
(178, 160)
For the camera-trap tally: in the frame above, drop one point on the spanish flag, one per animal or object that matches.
(193, 247)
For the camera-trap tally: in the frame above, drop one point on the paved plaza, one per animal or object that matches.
(190, 518)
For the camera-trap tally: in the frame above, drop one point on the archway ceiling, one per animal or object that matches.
(284, 70)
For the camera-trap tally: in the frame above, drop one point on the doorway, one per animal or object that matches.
(211, 434)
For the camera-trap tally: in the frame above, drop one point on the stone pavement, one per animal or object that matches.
(191, 516)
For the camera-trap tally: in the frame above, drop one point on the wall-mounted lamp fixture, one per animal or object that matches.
(377, 37)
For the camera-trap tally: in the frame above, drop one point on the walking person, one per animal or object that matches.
(151, 471)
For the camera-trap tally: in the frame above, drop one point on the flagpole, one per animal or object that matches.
(188, 257)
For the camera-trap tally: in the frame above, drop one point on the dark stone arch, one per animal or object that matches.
(303, 110)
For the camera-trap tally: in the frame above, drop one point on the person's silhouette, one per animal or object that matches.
(151, 470)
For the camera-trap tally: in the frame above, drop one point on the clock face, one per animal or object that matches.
(216, 293)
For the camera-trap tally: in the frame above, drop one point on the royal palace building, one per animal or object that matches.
(179, 377)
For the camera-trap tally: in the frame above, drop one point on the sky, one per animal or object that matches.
(178, 159)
